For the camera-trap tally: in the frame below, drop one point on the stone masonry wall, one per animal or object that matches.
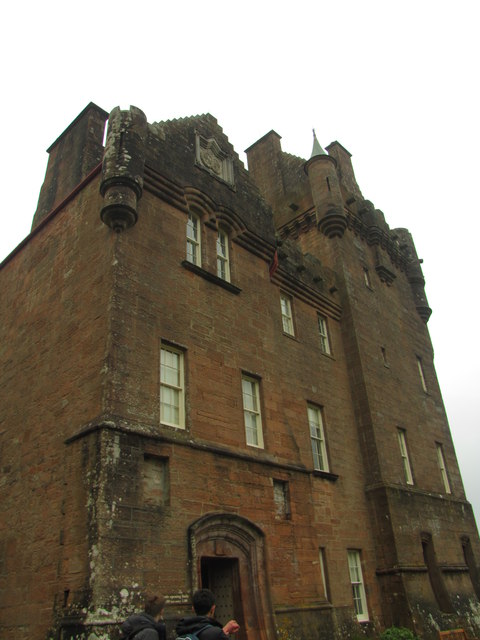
(54, 349)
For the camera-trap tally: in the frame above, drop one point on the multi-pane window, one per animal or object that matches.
(251, 411)
(317, 438)
(172, 403)
(421, 373)
(323, 332)
(223, 262)
(287, 319)
(402, 441)
(443, 467)
(358, 587)
(193, 239)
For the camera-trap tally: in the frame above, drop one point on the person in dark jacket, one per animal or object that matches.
(148, 625)
(203, 624)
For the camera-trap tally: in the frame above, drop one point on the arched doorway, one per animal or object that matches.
(228, 557)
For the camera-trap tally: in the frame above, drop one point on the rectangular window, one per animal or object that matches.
(366, 278)
(322, 558)
(172, 394)
(402, 441)
(287, 319)
(421, 374)
(317, 438)
(358, 588)
(281, 497)
(443, 468)
(193, 240)
(223, 263)
(323, 331)
(155, 481)
(384, 356)
(251, 411)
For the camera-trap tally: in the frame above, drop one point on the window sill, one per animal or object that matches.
(325, 474)
(210, 277)
(177, 427)
(326, 354)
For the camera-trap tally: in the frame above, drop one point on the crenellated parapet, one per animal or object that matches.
(123, 167)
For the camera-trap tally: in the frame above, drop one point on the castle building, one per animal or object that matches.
(221, 377)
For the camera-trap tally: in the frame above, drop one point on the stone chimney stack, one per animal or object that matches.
(73, 155)
(264, 159)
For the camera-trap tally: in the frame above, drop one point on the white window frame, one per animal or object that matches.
(172, 387)
(358, 586)
(223, 257)
(317, 438)
(287, 316)
(252, 414)
(421, 374)
(443, 467)
(194, 241)
(402, 442)
(323, 332)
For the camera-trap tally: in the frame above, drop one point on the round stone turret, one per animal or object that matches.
(123, 168)
(374, 220)
(327, 197)
(414, 274)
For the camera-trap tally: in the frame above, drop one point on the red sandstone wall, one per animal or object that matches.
(54, 350)
(83, 438)
(224, 334)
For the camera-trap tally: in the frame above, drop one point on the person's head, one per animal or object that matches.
(154, 606)
(203, 602)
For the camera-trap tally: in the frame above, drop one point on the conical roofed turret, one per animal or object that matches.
(322, 173)
(317, 148)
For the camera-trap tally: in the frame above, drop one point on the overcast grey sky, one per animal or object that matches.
(395, 82)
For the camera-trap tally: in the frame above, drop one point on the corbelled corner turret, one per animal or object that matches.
(321, 170)
(123, 167)
(415, 274)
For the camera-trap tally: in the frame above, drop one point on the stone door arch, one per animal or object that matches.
(233, 539)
